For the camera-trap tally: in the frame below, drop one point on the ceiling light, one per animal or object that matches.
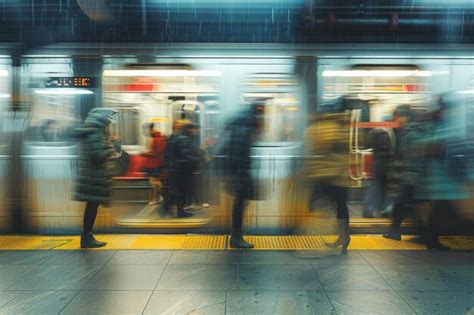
(63, 91)
(161, 73)
(376, 73)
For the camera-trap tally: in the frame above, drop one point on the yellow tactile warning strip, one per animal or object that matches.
(221, 242)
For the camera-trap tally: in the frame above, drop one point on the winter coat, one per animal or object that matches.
(181, 155)
(239, 136)
(327, 146)
(436, 180)
(95, 167)
(406, 165)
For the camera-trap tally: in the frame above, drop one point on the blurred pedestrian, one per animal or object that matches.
(234, 150)
(443, 179)
(327, 144)
(406, 166)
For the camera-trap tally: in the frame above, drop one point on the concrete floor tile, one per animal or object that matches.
(108, 302)
(34, 302)
(369, 302)
(350, 277)
(199, 277)
(281, 302)
(187, 302)
(277, 277)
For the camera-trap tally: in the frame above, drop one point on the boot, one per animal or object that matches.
(393, 234)
(88, 241)
(184, 214)
(237, 241)
(344, 239)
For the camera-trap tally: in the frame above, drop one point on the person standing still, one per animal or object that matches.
(95, 169)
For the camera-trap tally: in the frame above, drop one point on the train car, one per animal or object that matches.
(207, 84)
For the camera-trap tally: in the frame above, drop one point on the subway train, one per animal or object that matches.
(55, 87)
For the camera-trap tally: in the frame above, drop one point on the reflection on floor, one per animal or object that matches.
(236, 282)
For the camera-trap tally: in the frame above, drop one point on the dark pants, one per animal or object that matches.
(177, 191)
(238, 213)
(437, 221)
(338, 195)
(244, 189)
(375, 198)
(403, 205)
(89, 216)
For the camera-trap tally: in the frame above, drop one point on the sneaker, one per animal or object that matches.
(156, 201)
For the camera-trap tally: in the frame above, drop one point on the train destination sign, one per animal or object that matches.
(69, 82)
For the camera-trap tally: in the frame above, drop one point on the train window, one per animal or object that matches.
(53, 117)
(127, 128)
(281, 107)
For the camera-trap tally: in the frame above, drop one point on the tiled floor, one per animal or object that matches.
(236, 282)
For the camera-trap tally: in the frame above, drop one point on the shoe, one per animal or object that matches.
(237, 241)
(156, 201)
(438, 246)
(184, 215)
(88, 241)
(393, 234)
(192, 207)
(344, 239)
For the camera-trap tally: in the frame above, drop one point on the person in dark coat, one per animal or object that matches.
(95, 169)
(181, 159)
(239, 181)
(406, 166)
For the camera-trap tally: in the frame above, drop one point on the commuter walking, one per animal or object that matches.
(95, 169)
(406, 166)
(235, 150)
(328, 138)
(444, 177)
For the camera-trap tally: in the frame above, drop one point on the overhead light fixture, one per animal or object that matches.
(376, 73)
(161, 73)
(466, 92)
(3, 73)
(4, 95)
(63, 91)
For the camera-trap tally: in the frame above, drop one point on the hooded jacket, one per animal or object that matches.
(95, 167)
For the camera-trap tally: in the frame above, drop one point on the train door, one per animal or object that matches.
(5, 129)
(372, 92)
(159, 94)
(276, 149)
(57, 103)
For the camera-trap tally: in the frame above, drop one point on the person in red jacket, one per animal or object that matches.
(156, 147)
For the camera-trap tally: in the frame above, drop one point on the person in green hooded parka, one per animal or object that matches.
(95, 169)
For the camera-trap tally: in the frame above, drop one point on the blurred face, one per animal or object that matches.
(401, 120)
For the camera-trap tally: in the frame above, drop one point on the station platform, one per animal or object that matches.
(221, 242)
(195, 274)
